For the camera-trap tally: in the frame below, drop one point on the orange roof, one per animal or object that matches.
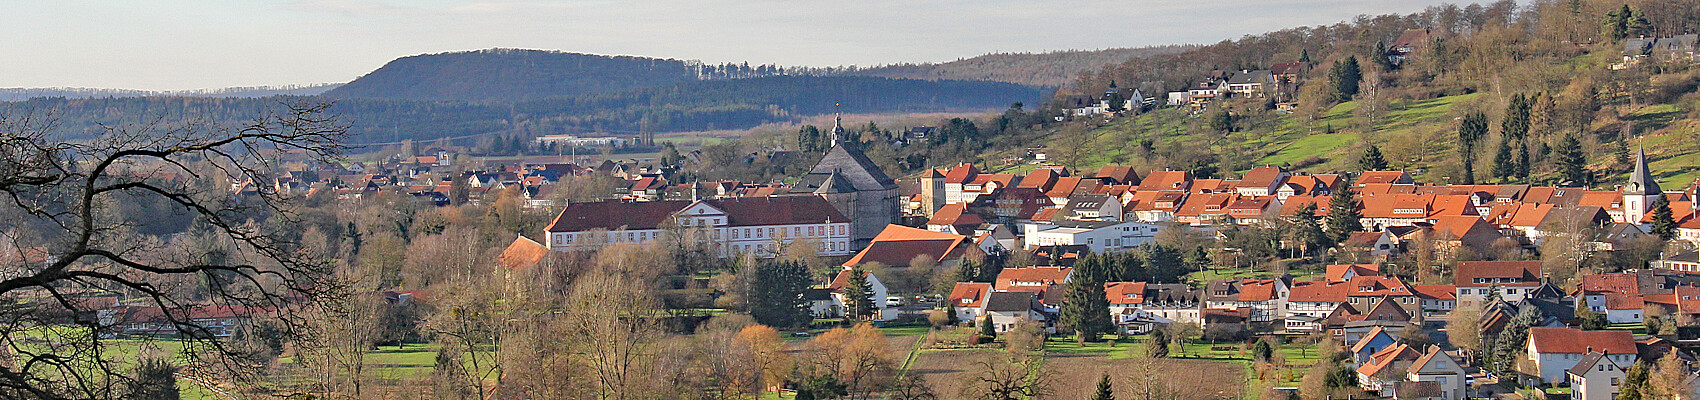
(1318, 291)
(1530, 215)
(1009, 277)
(898, 244)
(969, 294)
(1337, 272)
(1293, 204)
(842, 280)
(1607, 199)
(1263, 176)
(522, 253)
(1165, 180)
(1624, 302)
(1121, 174)
(963, 173)
(1063, 187)
(1610, 283)
(1208, 186)
(1374, 177)
(1388, 357)
(1041, 179)
(1459, 226)
(1046, 214)
(1209, 203)
(1378, 286)
(955, 214)
(1438, 292)
(1577, 341)
(1125, 292)
(1257, 290)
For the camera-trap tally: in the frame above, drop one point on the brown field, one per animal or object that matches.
(1075, 376)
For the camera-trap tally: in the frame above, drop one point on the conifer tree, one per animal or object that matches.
(1504, 165)
(1346, 75)
(988, 333)
(1343, 214)
(1379, 57)
(1104, 392)
(1372, 160)
(1086, 309)
(776, 294)
(1664, 223)
(1572, 163)
(1157, 346)
(1470, 131)
(858, 296)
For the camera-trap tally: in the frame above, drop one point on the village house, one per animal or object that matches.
(1513, 279)
(901, 246)
(1595, 377)
(1099, 236)
(969, 299)
(1434, 376)
(1260, 299)
(1006, 309)
(877, 294)
(1554, 351)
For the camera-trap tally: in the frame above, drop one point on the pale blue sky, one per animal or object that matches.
(182, 44)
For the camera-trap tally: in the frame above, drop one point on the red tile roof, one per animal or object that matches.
(1337, 272)
(1387, 177)
(1610, 283)
(969, 294)
(1263, 176)
(955, 214)
(1577, 341)
(1437, 292)
(1319, 292)
(1041, 179)
(897, 245)
(522, 253)
(1257, 290)
(1165, 180)
(1624, 302)
(963, 173)
(1120, 293)
(1041, 275)
(1525, 273)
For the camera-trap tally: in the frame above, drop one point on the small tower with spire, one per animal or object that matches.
(837, 129)
(1641, 191)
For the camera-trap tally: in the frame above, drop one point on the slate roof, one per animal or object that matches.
(1587, 363)
(1010, 301)
(852, 165)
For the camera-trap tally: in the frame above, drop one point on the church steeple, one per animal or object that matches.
(1641, 181)
(837, 129)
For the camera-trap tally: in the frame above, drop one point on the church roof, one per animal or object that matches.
(835, 183)
(850, 165)
(1641, 181)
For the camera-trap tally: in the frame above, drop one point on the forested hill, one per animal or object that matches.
(1052, 69)
(512, 75)
(693, 105)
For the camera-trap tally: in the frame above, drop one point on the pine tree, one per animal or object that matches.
(988, 333)
(1504, 165)
(1372, 160)
(1104, 392)
(1086, 309)
(1346, 75)
(1634, 383)
(950, 315)
(858, 296)
(1471, 131)
(1572, 163)
(1379, 57)
(776, 294)
(1304, 56)
(1163, 263)
(1664, 223)
(1343, 214)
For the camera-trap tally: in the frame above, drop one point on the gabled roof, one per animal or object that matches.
(970, 294)
(1319, 292)
(1338, 272)
(1588, 362)
(1609, 283)
(1436, 292)
(897, 245)
(1368, 337)
(1389, 177)
(1043, 275)
(1434, 353)
(1624, 302)
(1010, 301)
(963, 173)
(1576, 341)
(615, 214)
(955, 214)
(1388, 357)
(522, 253)
(1527, 273)
(1041, 179)
(1165, 180)
(1117, 174)
(842, 279)
(1263, 176)
(851, 164)
(1124, 292)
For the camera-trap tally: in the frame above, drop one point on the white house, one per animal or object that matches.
(1006, 309)
(1555, 351)
(758, 226)
(1446, 373)
(1100, 236)
(969, 300)
(842, 281)
(1595, 377)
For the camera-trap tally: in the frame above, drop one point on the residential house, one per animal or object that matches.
(1554, 351)
(1375, 341)
(1250, 83)
(1513, 279)
(1436, 299)
(1385, 368)
(954, 219)
(1006, 309)
(1262, 181)
(1595, 377)
(1260, 299)
(969, 299)
(1446, 373)
(877, 293)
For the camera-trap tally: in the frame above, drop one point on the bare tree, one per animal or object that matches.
(997, 377)
(68, 191)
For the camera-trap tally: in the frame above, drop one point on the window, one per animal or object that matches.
(734, 233)
(1614, 382)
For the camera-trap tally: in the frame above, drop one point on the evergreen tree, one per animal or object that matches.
(1304, 56)
(1471, 131)
(1343, 214)
(1572, 162)
(1086, 309)
(1263, 351)
(1504, 164)
(950, 315)
(1634, 383)
(809, 139)
(988, 333)
(1307, 229)
(776, 294)
(1522, 161)
(1163, 263)
(1372, 160)
(1618, 23)
(1379, 57)
(1345, 75)
(858, 296)
(1664, 223)
(1104, 392)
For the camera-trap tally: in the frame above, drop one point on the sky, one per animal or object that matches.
(183, 44)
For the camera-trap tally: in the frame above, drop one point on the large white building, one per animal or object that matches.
(753, 225)
(1100, 236)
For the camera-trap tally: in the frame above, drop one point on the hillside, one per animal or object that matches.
(1050, 69)
(20, 94)
(510, 75)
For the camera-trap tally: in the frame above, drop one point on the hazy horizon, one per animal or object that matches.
(178, 45)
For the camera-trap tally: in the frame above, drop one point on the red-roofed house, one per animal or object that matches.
(1436, 299)
(1262, 181)
(736, 225)
(1383, 177)
(1513, 279)
(969, 299)
(1555, 350)
(878, 289)
(1166, 181)
(954, 219)
(900, 245)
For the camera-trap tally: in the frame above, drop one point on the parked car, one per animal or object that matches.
(894, 301)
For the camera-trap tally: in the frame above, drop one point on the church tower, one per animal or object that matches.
(932, 192)
(854, 185)
(1642, 190)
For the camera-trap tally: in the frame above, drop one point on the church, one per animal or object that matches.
(855, 186)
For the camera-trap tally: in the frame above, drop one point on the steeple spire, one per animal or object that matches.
(1641, 181)
(837, 127)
